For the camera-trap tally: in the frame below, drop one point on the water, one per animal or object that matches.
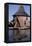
(11, 36)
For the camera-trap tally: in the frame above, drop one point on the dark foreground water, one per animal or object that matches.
(11, 36)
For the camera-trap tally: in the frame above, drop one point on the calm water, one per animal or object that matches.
(23, 39)
(10, 35)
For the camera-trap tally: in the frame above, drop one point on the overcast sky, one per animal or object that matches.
(14, 8)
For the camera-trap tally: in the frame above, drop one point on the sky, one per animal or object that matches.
(14, 8)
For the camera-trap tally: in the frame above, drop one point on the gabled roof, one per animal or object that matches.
(21, 12)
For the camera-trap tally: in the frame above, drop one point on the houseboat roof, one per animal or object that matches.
(21, 12)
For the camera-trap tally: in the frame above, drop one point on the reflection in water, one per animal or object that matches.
(25, 37)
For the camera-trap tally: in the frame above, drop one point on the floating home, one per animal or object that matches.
(22, 19)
